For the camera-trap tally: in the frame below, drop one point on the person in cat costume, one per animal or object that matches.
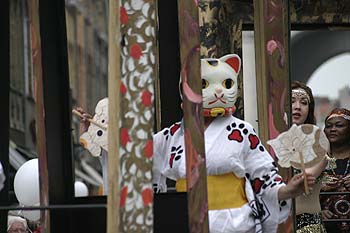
(245, 191)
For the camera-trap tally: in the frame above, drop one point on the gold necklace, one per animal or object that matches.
(334, 161)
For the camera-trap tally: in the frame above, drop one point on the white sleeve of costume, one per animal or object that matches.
(262, 172)
(159, 159)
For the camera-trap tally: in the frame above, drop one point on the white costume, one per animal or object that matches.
(233, 153)
(228, 146)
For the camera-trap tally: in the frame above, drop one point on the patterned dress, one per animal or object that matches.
(231, 146)
(308, 210)
(337, 204)
(309, 217)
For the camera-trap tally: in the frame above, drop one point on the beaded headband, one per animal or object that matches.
(300, 93)
(346, 117)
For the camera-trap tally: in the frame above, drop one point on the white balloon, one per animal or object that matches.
(32, 215)
(26, 183)
(80, 189)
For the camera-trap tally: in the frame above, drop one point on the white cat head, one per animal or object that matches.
(96, 138)
(219, 84)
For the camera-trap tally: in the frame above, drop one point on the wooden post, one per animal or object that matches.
(81, 75)
(138, 70)
(4, 102)
(272, 66)
(193, 119)
(55, 110)
(113, 116)
(39, 111)
(271, 26)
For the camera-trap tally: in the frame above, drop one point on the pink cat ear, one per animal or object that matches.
(232, 60)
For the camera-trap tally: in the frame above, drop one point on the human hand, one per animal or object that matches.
(331, 184)
(295, 186)
(327, 214)
(84, 122)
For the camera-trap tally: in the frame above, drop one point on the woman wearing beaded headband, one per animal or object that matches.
(337, 178)
(303, 104)
(308, 209)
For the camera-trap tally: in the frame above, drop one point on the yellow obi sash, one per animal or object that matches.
(224, 191)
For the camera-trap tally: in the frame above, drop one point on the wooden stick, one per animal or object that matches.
(306, 186)
(90, 120)
(114, 80)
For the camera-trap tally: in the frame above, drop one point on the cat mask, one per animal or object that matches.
(220, 85)
(95, 138)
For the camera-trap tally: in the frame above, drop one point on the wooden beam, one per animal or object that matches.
(193, 118)
(114, 74)
(138, 71)
(4, 103)
(57, 110)
(33, 13)
(261, 67)
(272, 27)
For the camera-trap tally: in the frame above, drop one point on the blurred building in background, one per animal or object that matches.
(86, 25)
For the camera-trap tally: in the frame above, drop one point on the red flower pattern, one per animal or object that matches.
(148, 150)
(135, 51)
(146, 98)
(123, 88)
(147, 196)
(123, 195)
(123, 16)
(124, 136)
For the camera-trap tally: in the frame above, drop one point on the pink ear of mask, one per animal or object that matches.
(234, 62)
